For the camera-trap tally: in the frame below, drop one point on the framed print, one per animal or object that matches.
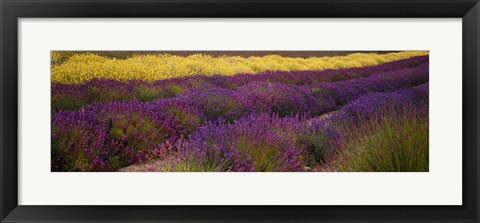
(174, 111)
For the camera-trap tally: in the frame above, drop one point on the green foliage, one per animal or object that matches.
(397, 141)
(147, 94)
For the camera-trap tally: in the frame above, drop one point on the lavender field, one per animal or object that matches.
(358, 112)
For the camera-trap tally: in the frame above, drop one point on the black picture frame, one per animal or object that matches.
(11, 11)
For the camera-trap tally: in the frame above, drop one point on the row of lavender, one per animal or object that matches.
(75, 96)
(271, 143)
(108, 136)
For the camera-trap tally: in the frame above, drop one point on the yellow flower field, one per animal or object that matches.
(83, 67)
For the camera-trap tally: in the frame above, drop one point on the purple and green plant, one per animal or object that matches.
(75, 96)
(253, 143)
(244, 122)
(281, 99)
(396, 140)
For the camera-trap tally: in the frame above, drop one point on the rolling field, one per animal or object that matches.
(192, 112)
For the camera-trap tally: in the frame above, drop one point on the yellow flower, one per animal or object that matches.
(79, 68)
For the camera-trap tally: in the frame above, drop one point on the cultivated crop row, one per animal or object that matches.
(84, 67)
(255, 126)
(75, 96)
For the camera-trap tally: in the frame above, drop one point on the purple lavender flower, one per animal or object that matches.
(345, 91)
(220, 103)
(253, 143)
(114, 134)
(78, 142)
(185, 112)
(224, 123)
